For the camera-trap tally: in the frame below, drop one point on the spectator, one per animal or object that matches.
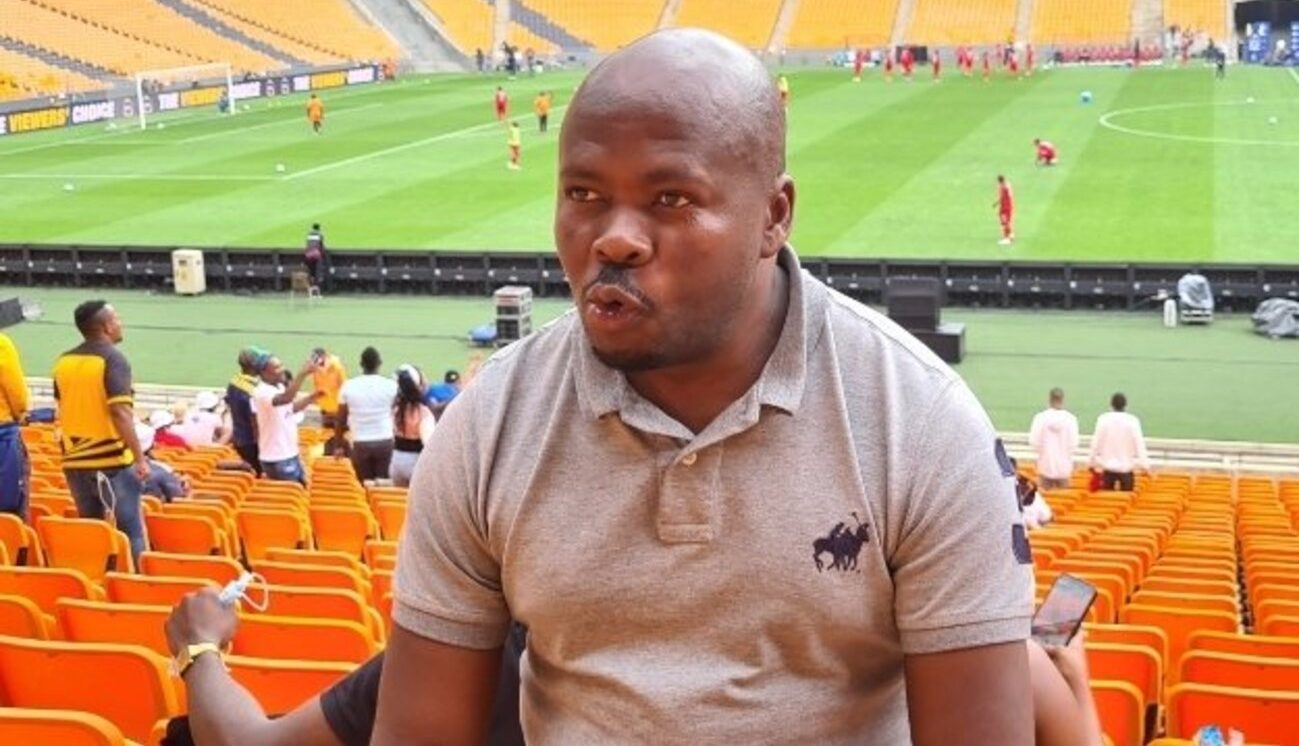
(480, 59)
(163, 482)
(412, 424)
(243, 422)
(665, 489)
(365, 405)
(1064, 711)
(14, 402)
(1031, 503)
(314, 255)
(328, 379)
(276, 405)
(102, 460)
(163, 423)
(201, 424)
(439, 395)
(1054, 436)
(1118, 446)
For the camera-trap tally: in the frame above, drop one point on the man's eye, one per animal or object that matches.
(673, 199)
(581, 194)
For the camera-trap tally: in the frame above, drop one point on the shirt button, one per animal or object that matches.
(689, 459)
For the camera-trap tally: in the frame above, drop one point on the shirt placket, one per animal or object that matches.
(688, 495)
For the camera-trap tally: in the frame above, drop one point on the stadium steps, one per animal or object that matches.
(784, 22)
(542, 26)
(668, 18)
(902, 22)
(413, 28)
(54, 59)
(197, 15)
(1023, 20)
(1148, 20)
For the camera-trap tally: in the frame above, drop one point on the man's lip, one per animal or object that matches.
(606, 294)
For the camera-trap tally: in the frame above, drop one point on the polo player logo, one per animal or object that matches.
(843, 545)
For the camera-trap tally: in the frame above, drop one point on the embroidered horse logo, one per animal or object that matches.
(843, 545)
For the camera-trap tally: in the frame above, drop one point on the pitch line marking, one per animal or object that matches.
(1106, 122)
(1294, 75)
(241, 130)
(142, 177)
(399, 148)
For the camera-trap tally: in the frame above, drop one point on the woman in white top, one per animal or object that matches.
(412, 424)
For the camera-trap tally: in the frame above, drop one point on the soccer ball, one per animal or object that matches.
(247, 107)
(1249, 100)
(279, 168)
(1086, 97)
(159, 125)
(1272, 120)
(68, 187)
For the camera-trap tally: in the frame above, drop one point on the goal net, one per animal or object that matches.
(173, 88)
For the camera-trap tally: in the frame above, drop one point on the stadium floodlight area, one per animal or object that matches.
(209, 75)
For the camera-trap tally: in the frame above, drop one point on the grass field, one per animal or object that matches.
(1219, 382)
(1164, 165)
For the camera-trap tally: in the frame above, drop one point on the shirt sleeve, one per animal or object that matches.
(962, 570)
(12, 380)
(117, 378)
(448, 582)
(350, 705)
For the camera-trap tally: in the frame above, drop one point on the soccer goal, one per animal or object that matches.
(211, 80)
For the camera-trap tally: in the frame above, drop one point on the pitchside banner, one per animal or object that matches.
(1258, 41)
(66, 115)
(1294, 42)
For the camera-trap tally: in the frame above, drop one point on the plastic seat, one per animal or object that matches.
(19, 617)
(312, 576)
(1242, 671)
(1122, 711)
(125, 624)
(1179, 625)
(220, 570)
(1252, 645)
(128, 685)
(320, 603)
(44, 586)
(1137, 665)
(1281, 626)
(391, 516)
(1196, 587)
(1194, 601)
(21, 542)
(32, 727)
(343, 529)
(377, 550)
(262, 529)
(282, 685)
(89, 545)
(318, 558)
(1265, 611)
(185, 534)
(1263, 716)
(279, 637)
(1131, 634)
(149, 590)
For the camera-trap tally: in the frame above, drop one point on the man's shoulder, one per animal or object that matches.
(515, 372)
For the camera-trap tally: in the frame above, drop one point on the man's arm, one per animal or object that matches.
(434, 694)
(123, 416)
(12, 381)
(290, 392)
(340, 422)
(973, 696)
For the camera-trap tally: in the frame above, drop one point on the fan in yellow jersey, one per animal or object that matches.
(101, 454)
(515, 142)
(14, 399)
(782, 87)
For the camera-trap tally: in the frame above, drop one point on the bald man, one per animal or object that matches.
(731, 505)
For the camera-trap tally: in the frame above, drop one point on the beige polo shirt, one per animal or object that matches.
(759, 582)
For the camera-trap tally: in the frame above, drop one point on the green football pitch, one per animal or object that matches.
(1217, 382)
(1162, 165)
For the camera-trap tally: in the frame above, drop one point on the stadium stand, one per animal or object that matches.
(752, 28)
(468, 25)
(1209, 16)
(66, 727)
(834, 24)
(605, 24)
(22, 76)
(951, 22)
(1082, 22)
(326, 31)
(112, 50)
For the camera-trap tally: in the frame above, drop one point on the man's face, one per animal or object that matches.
(274, 371)
(659, 228)
(113, 325)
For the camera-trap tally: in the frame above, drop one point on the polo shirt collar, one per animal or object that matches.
(603, 390)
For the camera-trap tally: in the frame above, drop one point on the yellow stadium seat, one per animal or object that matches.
(1263, 716)
(267, 636)
(128, 685)
(20, 541)
(33, 727)
(1122, 711)
(88, 545)
(391, 515)
(44, 586)
(149, 590)
(125, 624)
(752, 28)
(261, 529)
(952, 22)
(280, 686)
(20, 617)
(1280, 626)
(219, 570)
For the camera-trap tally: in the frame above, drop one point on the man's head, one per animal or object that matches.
(1037, 141)
(370, 361)
(673, 199)
(1118, 402)
(270, 368)
(315, 226)
(1001, 179)
(98, 320)
(1057, 397)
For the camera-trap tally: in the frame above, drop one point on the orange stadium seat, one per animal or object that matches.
(391, 515)
(148, 590)
(1082, 21)
(312, 576)
(1137, 665)
(343, 529)
(752, 28)
(279, 686)
(19, 617)
(20, 542)
(88, 545)
(280, 637)
(128, 685)
(320, 603)
(1179, 625)
(262, 529)
(1122, 711)
(604, 24)
(41, 727)
(1263, 716)
(1241, 671)
(952, 22)
(46, 585)
(219, 570)
(126, 624)
(185, 534)
(319, 558)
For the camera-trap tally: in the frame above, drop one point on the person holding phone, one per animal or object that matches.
(1064, 711)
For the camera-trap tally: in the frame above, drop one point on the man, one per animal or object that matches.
(501, 103)
(647, 483)
(1005, 205)
(858, 62)
(276, 405)
(1220, 65)
(782, 88)
(223, 712)
(102, 460)
(908, 61)
(365, 405)
(1054, 436)
(163, 481)
(439, 395)
(480, 60)
(316, 113)
(243, 422)
(1029, 60)
(515, 143)
(987, 67)
(1118, 446)
(202, 424)
(328, 379)
(314, 254)
(1046, 154)
(542, 107)
(15, 399)
(937, 63)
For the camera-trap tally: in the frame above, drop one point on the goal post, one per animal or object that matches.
(167, 79)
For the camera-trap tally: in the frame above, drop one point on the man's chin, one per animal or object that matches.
(629, 361)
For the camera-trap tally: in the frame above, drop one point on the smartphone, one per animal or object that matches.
(1058, 618)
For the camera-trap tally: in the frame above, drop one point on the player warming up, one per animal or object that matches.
(987, 67)
(888, 65)
(782, 86)
(1046, 155)
(316, 113)
(515, 143)
(1005, 205)
(937, 63)
(542, 107)
(858, 62)
(501, 102)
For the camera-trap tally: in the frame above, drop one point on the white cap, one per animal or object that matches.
(161, 418)
(207, 400)
(144, 434)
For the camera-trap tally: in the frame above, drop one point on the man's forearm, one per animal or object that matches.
(124, 420)
(221, 712)
(290, 392)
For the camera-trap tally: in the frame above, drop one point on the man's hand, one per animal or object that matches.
(141, 467)
(309, 367)
(200, 617)
(1071, 660)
